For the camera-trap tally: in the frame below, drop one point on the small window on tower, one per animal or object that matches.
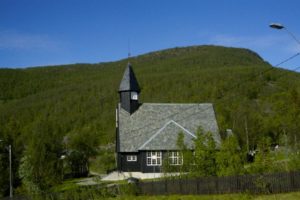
(134, 95)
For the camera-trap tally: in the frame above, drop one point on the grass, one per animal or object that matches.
(284, 196)
(67, 185)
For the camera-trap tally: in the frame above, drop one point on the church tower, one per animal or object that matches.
(129, 91)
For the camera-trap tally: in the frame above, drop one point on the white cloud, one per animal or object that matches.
(21, 41)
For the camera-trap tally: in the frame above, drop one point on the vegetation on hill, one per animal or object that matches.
(57, 105)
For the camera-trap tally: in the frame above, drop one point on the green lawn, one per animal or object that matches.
(285, 196)
(66, 185)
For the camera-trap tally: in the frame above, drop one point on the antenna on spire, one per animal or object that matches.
(129, 54)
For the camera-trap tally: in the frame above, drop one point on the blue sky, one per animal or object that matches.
(52, 32)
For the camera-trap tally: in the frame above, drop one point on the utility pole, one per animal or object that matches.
(247, 135)
(10, 174)
(286, 148)
(10, 171)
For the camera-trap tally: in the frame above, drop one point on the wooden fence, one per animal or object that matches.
(255, 184)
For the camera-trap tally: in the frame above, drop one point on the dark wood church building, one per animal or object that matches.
(146, 133)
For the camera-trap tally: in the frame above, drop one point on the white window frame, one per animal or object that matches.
(175, 158)
(154, 158)
(116, 117)
(134, 96)
(131, 158)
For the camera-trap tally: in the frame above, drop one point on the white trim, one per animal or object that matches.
(153, 136)
(133, 95)
(154, 156)
(131, 158)
(161, 129)
(175, 158)
(117, 117)
(193, 135)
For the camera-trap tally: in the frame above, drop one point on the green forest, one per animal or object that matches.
(46, 110)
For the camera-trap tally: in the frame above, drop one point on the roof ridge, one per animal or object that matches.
(177, 124)
(153, 136)
(162, 128)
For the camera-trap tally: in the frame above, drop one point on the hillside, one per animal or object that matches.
(85, 95)
(250, 96)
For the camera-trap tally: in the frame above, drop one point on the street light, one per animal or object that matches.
(280, 26)
(10, 173)
(276, 26)
(62, 158)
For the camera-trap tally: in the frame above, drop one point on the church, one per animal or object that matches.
(147, 133)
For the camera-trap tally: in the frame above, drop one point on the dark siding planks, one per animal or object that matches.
(126, 166)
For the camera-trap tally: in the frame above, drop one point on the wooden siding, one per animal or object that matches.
(129, 166)
(141, 164)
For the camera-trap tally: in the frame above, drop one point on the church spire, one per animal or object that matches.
(129, 91)
(129, 82)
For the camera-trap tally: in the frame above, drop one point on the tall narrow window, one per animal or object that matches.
(153, 158)
(117, 118)
(175, 158)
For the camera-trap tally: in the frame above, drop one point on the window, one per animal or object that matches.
(131, 158)
(153, 158)
(117, 118)
(175, 158)
(134, 95)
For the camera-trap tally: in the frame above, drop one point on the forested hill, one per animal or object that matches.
(248, 94)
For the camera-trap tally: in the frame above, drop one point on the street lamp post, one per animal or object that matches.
(10, 172)
(62, 158)
(280, 26)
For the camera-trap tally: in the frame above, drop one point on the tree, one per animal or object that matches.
(205, 155)
(263, 161)
(81, 146)
(40, 166)
(229, 159)
(294, 161)
(185, 154)
(180, 142)
(4, 169)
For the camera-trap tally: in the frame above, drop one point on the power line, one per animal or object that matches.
(223, 96)
(263, 72)
(288, 59)
(295, 69)
(291, 34)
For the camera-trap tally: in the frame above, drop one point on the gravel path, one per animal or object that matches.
(116, 176)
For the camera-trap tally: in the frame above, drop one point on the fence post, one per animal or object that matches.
(185, 186)
(180, 185)
(197, 185)
(152, 188)
(216, 185)
(292, 178)
(166, 186)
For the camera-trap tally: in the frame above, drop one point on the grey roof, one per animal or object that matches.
(129, 82)
(156, 126)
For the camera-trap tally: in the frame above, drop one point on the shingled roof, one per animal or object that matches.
(129, 82)
(156, 126)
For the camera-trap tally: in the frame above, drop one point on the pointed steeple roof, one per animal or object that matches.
(129, 82)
